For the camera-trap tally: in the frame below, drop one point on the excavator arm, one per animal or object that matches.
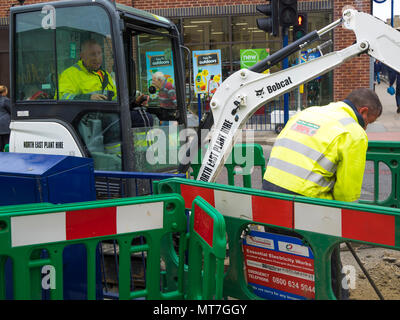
(245, 91)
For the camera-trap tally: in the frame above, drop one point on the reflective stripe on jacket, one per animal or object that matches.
(78, 83)
(320, 153)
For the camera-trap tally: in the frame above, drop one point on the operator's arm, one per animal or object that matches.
(68, 86)
(351, 166)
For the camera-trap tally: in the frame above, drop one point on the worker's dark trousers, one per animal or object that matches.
(336, 265)
(4, 140)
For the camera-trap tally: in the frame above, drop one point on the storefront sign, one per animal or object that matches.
(249, 57)
(207, 71)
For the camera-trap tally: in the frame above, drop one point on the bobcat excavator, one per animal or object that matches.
(46, 40)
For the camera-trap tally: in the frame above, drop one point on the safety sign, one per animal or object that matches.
(279, 267)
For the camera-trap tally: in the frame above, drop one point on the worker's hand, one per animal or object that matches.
(97, 96)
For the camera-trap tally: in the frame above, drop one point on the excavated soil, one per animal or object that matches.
(383, 267)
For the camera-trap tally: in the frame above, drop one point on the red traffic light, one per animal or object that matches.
(300, 20)
(300, 28)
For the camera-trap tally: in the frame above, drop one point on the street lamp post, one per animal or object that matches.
(391, 10)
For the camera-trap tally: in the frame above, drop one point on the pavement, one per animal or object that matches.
(385, 128)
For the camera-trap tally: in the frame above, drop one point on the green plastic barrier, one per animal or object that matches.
(238, 158)
(322, 225)
(207, 246)
(27, 230)
(379, 152)
(388, 153)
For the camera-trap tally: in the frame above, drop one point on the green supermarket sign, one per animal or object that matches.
(249, 57)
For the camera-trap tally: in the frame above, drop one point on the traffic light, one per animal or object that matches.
(287, 13)
(300, 28)
(270, 24)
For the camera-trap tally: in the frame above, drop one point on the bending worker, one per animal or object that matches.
(321, 152)
(86, 80)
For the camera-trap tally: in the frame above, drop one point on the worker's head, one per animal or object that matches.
(367, 103)
(158, 79)
(91, 55)
(3, 91)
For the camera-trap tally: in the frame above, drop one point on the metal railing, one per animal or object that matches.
(271, 120)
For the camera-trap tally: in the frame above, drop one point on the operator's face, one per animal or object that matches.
(92, 57)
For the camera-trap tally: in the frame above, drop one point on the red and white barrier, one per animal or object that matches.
(89, 223)
(351, 224)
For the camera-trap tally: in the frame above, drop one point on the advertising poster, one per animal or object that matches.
(159, 61)
(279, 267)
(207, 71)
(249, 57)
(308, 56)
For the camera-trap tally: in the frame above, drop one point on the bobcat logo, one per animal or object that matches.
(260, 93)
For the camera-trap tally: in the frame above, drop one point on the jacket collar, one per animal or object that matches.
(358, 115)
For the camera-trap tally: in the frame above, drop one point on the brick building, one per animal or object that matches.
(230, 26)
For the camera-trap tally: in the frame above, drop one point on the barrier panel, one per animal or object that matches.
(321, 224)
(384, 154)
(113, 185)
(28, 230)
(207, 248)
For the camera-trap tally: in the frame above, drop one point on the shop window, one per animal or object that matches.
(245, 29)
(206, 30)
(241, 32)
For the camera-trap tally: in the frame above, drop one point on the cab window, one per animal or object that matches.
(155, 135)
(65, 54)
(156, 69)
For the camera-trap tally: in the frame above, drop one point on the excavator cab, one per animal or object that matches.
(60, 50)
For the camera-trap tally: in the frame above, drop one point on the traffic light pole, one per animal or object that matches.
(285, 65)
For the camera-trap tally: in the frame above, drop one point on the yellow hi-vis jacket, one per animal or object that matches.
(78, 83)
(320, 153)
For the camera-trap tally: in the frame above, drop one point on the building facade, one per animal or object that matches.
(231, 26)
